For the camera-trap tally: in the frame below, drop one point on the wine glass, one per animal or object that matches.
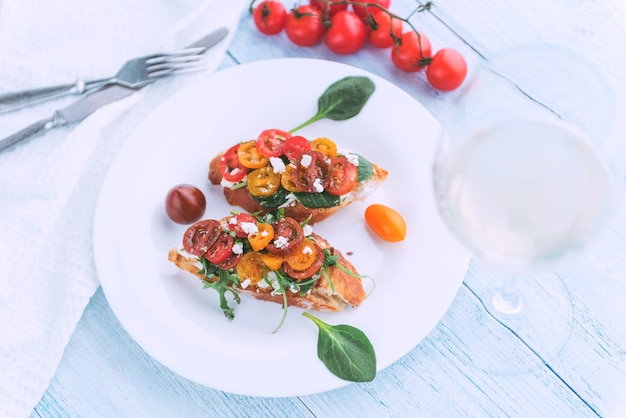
(523, 177)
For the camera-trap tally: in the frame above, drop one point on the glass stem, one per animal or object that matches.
(508, 299)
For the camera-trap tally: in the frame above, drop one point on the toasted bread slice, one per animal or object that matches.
(242, 198)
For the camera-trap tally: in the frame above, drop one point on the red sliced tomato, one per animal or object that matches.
(234, 224)
(304, 25)
(232, 170)
(271, 142)
(347, 33)
(411, 53)
(288, 235)
(269, 17)
(230, 262)
(201, 236)
(221, 250)
(362, 11)
(295, 146)
(382, 26)
(342, 176)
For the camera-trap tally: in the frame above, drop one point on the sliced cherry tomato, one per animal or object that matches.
(382, 26)
(408, 56)
(347, 33)
(304, 25)
(230, 262)
(263, 181)
(325, 146)
(302, 257)
(363, 11)
(342, 176)
(386, 222)
(315, 266)
(333, 6)
(221, 250)
(201, 236)
(286, 179)
(262, 237)
(231, 168)
(310, 172)
(447, 70)
(271, 142)
(251, 267)
(295, 147)
(240, 224)
(288, 235)
(249, 155)
(269, 17)
(272, 261)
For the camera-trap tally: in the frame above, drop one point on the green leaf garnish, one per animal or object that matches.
(345, 351)
(317, 200)
(222, 281)
(365, 169)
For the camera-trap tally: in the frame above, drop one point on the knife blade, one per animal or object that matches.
(86, 105)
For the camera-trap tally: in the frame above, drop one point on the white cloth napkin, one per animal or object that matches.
(49, 185)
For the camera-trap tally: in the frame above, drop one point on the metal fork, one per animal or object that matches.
(135, 73)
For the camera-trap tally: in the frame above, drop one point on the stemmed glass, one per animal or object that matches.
(523, 178)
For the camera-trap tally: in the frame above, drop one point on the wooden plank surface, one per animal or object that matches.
(104, 373)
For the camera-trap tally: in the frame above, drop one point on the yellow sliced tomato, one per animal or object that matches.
(250, 267)
(286, 179)
(250, 156)
(263, 181)
(259, 240)
(303, 257)
(325, 146)
(272, 261)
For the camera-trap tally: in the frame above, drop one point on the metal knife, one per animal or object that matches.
(88, 104)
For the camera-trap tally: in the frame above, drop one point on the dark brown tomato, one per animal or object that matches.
(201, 236)
(306, 176)
(314, 268)
(288, 235)
(230, 262)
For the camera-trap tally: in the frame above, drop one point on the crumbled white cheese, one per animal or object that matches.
(318, 186)
(290, 200)
(281, 242)
(277, 164)
(306, 160)
(353, 159)
(249, 227)
(233, 220)
(226, 183)
(245, 283)
(264, 234)
(237, 248)
(307, 250)
(307, 230)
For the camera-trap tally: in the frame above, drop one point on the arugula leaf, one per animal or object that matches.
(317, 200)
(342, 100)
(345, 351)
(222, 281)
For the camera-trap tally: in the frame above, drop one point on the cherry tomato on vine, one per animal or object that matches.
(269, 17)
(447, 70)
(381, 26)
(347, 33)
(362, 11)
(410, 54)
(334, 6)
(386, 222)
(304, 25)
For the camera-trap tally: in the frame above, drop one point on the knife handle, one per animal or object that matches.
(35, 129)
(19, 99)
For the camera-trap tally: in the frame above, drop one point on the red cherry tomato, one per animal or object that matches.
(342, 176)
(304, 25)
(362, 11)
(347, 33)
(295, 146)
(269, 17)
(410, 54)
(221, 250)
(234, 224)
(232, 170)
(382, 25)
(271, 142)
(334, 6)
(185, 204)
(447, 70)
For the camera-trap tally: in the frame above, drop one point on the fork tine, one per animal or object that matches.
(187, 52)
(175, 59)
(162, 70)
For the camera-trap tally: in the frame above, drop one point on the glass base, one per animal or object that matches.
(531, 314)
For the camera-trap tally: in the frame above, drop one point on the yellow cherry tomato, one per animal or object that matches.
(259, 240)
(249, 155)
(250, 267)
(385, 222)
(303, 257)
(263, 181)
(325, 146)
(286, 179)
(272, 261)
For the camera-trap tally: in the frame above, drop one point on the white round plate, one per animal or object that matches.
(179, 323)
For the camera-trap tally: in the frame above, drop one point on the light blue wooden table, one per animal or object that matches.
(105, 373)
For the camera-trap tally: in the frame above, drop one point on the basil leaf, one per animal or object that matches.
(342, 100)
(365, 169)
(274, 200)
(317, 200)
(345, 351)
